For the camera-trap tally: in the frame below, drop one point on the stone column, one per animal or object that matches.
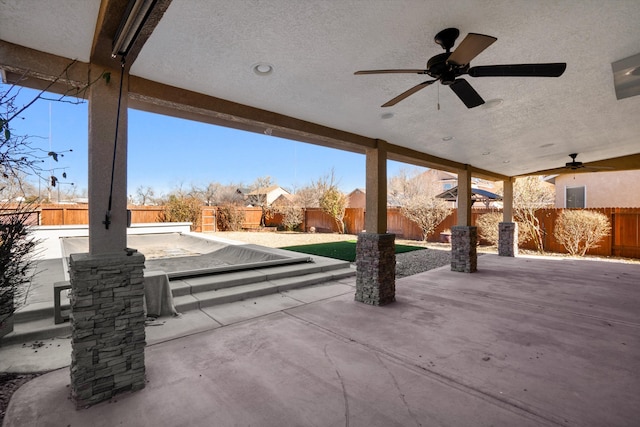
(375, 268)
(464, 237)
(107, 326)
(375, 250)
(508, 239)
(464, 257)
(508, 229)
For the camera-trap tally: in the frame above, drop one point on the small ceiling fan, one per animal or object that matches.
(449, 66)
(575, 165)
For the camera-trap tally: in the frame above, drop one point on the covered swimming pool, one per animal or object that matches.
(185, 254)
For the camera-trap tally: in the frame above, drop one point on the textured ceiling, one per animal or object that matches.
(211, 46)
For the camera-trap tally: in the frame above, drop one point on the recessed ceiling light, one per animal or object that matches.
(447, 138)
(547, 145)
(386, 116)
(492, 103)
(486, 153)
(633, 72)
(506, 161)
(262, 68)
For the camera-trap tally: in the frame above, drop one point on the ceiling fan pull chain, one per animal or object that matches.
(438, 97)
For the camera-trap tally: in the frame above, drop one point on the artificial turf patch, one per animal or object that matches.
(345, 250)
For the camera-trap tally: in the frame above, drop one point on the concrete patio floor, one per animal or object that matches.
(522, 342)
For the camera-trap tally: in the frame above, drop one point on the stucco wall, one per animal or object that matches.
(602, 189)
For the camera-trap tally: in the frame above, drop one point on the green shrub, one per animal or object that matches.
(581, 230)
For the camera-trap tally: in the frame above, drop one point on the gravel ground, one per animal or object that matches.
(409, 263)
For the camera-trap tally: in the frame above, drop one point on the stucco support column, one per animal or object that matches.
(376, 194)
(375, 250)
(103, 113)
(508, 228)
(464, 237)
(107, 285)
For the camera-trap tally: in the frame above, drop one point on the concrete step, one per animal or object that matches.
(36, 321)
(205, 297)
(39, 310)
(212, 282)
(38, 329)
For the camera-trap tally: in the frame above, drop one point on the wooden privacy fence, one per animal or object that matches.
(624, 240)
(79, 214)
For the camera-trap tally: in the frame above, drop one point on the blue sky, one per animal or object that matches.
(166, 153)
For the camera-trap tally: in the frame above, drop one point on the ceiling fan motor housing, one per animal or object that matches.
(447, 38)
(439, 68)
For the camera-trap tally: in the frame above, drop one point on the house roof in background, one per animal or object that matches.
(476, 194)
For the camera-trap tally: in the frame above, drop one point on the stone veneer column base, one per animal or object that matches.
(464, 257)
(107, 326)
(508, 239)
(376, 268)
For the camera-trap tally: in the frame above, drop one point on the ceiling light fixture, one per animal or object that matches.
(447, 138)
(633, 72)
(506, 161)
(134, 18)
(262, 68)
(486, 153)
(625, 77)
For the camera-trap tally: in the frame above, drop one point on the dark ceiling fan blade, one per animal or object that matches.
(466, 93)
(416, 71)
(472, 45)
(519, 70)
(408, 93)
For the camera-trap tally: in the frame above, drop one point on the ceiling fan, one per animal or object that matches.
(449, 66)
(575, 165)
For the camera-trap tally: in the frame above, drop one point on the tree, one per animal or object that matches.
(145, 195)
(16, 256)
(20, 156)
(309, 196)
(258, 196)
(530, 194)
(415, 194)
(332, 201)
(580, 230)
(292, 212)
(15, 187)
